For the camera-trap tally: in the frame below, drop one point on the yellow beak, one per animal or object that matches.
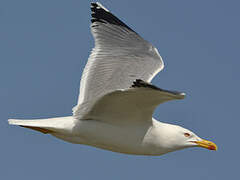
(206, 144)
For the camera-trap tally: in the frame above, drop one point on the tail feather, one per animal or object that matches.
(37, 125)
(45, 126)
(42, 130)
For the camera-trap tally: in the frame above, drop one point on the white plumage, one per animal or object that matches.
(116, 99)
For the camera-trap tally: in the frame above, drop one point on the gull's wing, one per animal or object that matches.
(119, 57)
(132, 105)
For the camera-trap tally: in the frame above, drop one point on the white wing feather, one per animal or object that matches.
(130, 105)
(119, 57)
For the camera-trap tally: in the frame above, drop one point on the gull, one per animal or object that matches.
(117, 99)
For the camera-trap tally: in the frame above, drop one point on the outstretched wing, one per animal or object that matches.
(119, 57)
(132, 105)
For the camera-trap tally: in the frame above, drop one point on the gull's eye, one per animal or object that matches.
(186, 134)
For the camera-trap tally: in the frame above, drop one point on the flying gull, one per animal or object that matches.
(117, 100)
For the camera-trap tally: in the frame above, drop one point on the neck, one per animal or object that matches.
(162, 137)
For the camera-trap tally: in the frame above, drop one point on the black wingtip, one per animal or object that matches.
(141, 83)
(138, 83)
(101, 14)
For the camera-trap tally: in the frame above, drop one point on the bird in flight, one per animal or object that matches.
(117, 100)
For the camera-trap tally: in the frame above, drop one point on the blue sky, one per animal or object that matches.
(44, 46)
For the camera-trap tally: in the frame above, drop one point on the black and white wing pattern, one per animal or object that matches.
(120, 56)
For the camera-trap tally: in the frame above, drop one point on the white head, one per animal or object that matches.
(176, 137)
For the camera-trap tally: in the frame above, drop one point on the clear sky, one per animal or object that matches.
(44, 46)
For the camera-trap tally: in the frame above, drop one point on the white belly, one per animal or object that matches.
(118, 138)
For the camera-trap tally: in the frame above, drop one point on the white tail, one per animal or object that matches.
(45, 126)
